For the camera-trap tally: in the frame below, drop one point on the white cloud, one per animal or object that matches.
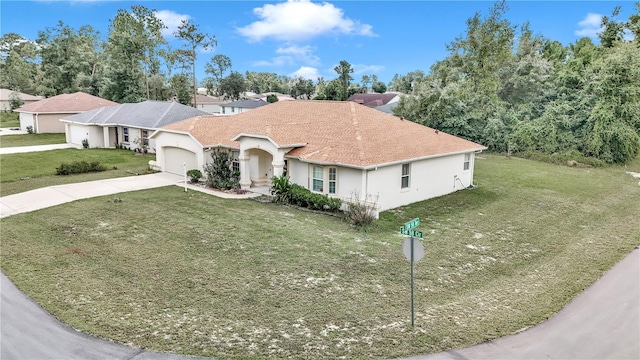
(366, 69)
(306, 72)
(291, 55)
(298, 20)
(171, 20)
(301, 53)
(276, 61)
(590, 26)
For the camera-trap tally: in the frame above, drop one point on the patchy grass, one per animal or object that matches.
(195, 274)
(9, 119)
(28, 171)
(31, 139)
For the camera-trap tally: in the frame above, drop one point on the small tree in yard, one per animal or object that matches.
(361, 212)
(15, 101)
(220, 174)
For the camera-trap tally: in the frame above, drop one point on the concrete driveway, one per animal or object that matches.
(34, 148)
(59, 194)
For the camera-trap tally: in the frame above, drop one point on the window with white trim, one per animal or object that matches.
(145, 137)
(333, 177)
(235, 162)
(125, 134)
(318, 179)
(406, 173)
(467, 161)
(321, 175)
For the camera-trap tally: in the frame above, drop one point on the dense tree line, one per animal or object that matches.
(133, 63)
(503, 86)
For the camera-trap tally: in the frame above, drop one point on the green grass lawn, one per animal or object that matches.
(195, 274)
(28, 171)
(31, 139)
(9, 119)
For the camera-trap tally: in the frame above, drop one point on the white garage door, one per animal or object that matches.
(78, 133)
(174, 158)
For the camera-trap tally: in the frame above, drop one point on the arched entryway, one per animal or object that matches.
(260, 160)
(260, 167)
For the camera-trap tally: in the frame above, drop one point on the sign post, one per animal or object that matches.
(184, 168)
(412, 250)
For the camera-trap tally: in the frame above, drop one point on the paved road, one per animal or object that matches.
(30, 333)
(601, 323)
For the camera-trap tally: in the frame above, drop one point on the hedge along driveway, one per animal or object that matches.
(28, 171)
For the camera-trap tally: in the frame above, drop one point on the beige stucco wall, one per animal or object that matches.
(349, 180)
(50, 123)
(95, 137)
(428, 179)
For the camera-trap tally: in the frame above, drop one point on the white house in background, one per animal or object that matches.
(128, 125)
(6, 96)
(240, 106)
(210, 104)
(330, 147)
(44, 116)
(374, 99)
(280, 96)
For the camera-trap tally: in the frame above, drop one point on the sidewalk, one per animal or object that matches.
(33, 148)
(12, 131)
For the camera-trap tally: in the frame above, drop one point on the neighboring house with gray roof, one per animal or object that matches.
(127, 125)
(237, 107)
(6, 96)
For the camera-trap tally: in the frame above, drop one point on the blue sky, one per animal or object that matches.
(310, 38)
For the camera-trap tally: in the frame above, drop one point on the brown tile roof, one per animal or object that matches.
(66, 103)
(333, 131)
(207, 99)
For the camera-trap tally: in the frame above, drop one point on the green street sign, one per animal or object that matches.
(411, 232)
(412, 224)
